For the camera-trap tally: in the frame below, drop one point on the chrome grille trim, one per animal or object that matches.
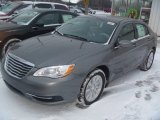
(17, 67)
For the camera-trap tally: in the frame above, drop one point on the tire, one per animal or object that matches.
(147, 64)
(94, 83)
(8, 45)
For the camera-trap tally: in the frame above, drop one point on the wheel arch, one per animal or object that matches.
(11, 37)
(105, 69)
(154, 48)
(6, 41)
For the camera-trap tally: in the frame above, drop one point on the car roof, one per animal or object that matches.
(115, 19)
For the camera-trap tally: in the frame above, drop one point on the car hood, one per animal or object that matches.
(9, 26)
(53, 50)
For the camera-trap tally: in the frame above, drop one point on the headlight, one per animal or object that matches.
(55, 71)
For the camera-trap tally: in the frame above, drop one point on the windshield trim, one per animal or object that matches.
(111, 36)
(32, 19)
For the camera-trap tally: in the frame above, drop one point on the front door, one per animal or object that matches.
(44, 24)
(124, 58)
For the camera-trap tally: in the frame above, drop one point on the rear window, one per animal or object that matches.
(67, 17)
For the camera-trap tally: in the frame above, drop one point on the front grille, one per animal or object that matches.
(17, 67)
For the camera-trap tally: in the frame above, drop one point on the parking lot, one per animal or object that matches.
(74, 57)
(134, 96)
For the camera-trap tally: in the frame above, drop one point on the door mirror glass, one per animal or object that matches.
(125, 43)
(39, 25)
(15, 13)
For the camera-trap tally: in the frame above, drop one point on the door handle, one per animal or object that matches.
(149, 39)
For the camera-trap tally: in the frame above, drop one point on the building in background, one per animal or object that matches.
(137, 9)
(145, 10)
(98, 4)
(154, 21)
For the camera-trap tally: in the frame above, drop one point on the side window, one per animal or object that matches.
(67, 17)
(127, 33)
(61, 7)
(48, 19)
(42, 5)
(141, 30)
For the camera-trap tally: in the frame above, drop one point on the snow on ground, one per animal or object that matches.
(134, 96)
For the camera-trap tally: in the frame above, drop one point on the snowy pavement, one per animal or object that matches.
(134, 96)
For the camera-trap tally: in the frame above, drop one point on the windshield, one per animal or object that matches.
(90, 29)
(24, 18)
(8, 7)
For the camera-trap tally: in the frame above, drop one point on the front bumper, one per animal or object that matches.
(45, 89)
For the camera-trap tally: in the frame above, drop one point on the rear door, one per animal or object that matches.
(142, 41)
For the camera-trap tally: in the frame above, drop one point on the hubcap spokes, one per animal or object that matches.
(93, 88)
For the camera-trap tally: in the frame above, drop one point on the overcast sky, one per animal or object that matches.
(73, 1)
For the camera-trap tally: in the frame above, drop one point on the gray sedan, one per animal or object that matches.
(79, 59)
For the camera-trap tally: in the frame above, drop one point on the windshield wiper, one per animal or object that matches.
(56, 31)
(74, 36)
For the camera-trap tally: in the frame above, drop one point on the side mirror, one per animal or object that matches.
(125, 43)
(40, 25)
(15, 12)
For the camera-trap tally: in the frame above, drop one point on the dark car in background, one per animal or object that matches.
(30, 23)
(79, 59)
